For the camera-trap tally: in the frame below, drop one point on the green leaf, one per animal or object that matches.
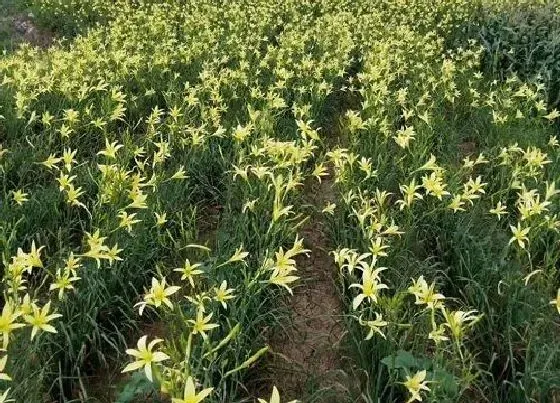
(446, 381)
(137, 385)
(403, 359)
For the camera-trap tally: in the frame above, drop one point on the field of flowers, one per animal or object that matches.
(166, 167)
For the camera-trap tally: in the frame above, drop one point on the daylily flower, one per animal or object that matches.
(145, 357)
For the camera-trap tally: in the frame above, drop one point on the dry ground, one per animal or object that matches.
(306, 361)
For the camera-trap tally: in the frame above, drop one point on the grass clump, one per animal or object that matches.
(153, 171)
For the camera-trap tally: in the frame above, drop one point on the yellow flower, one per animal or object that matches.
(46, 118)
(241, 172)
(434, 185)
(319, 171)
(284, 262)
(63, 282)
(145, 356)
(438, 334)
(68, 158)
(457, 203)
(238, 256)
(275, 397)
(370, 287)
(188, 271)
(468, 163)
(20, 263)
(283, 267)
(72, 195)
(180, 174)
(404, 135)
(8, 324)
(19, 197)
(4, 397)
(430, 165)
(551, 191)
(341, 255)
(374, 325)
(72, 263)
(34, 257)
(519, 235)
(499, 210)
(377, 249)
(161, 219)
(190, 395)
(535, 158)
(113, 254)
(96, 248)
(26, 305)
(51, 161)
(64, 181)
(201, 325)
(365, 166)
(473, 189)
(283, 279)
(349, 259)
(71, 116)
(425, 294)
(223, 294)
(4, 376)
(329, 208)
(241, 133)
(199, 300)
(457, 320)
(410, 193)
(307, 130)
(249, 205)
(481, 159)
(138, 199)
(110, 149)
(40, 319)
(552, 115)
(158, 295)
(127, 221)
(415, 385)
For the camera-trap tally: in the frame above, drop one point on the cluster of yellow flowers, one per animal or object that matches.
(111, 142)
(412, 89)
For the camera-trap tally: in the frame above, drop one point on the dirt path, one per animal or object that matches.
(17, 27)
(307, 364)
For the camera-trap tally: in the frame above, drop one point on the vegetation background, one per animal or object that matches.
(318, 200)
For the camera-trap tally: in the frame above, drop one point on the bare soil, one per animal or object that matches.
(20, 28)
(26, 28)
(306, 362)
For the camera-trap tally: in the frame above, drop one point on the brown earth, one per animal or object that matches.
(306, 362)
(25, 27)
(20, 28)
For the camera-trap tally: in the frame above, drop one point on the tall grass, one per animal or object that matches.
(118, 144)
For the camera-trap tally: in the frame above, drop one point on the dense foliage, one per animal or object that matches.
(153, 166)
